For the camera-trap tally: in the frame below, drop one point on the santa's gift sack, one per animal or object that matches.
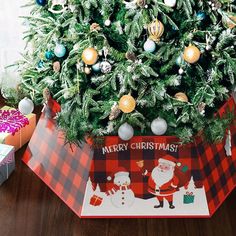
(95, 200)
(7, 161)
(189, 198)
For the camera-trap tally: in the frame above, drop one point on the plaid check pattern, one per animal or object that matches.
(218, 170)
(66, 169)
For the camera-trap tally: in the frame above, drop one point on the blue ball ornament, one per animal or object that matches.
(40, 64)
(60, 50)
(179, 60)
(96, 67)
(149, 46)
(49, 55)
(41, 2)
(201, 15)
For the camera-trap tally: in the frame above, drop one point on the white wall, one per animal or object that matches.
(11, 28)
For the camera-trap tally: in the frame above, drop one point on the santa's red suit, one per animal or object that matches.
(164, 190)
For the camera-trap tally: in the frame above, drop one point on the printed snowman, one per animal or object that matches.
(121, 194)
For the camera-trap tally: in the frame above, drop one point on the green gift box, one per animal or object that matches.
(188, 198)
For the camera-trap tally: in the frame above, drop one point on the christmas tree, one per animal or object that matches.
(152, 66)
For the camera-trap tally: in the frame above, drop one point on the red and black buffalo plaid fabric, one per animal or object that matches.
(66, 169)
(218, 170)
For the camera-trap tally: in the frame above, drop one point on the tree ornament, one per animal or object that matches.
(40, 64)
(201, 15)
(58, 6)
(230, 21)
(141, 3)
(107, 22)
(170, 3)
(201, 108)
(60, 50)
(182, 97)
(95, 27)
(156, 30)
(181, 71)
(131, 56)
(26, 106)
(126, 132)
(115, 111)
(191, 54)
(127, 104)
(159, 126)
(105, 67)
(49, 55)
(57, 66)
(90, 56)
(149, 46)
(97, 67)
(179, 61)
(41, 2)
(87, 70)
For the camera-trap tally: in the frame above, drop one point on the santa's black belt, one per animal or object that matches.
(162, 190)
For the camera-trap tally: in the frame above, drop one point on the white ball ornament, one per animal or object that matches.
(159, 126)
(107, 22)
(181, 71)
(170, 3)
(149, 46)
(126, 132)
(26, 106)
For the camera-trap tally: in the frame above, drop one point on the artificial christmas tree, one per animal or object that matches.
(174, 60)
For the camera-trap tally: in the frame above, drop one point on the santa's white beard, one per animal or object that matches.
(160, 177)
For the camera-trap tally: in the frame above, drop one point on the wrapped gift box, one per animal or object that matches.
(7, 162)
(15, 128)
(125, 177)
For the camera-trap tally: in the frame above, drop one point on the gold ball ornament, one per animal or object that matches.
(191, 54)
(127, 104)
(230, 22)
(156, 30)
(182, 97)
(90, 56)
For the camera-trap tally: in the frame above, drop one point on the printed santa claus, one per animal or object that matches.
(162, 182)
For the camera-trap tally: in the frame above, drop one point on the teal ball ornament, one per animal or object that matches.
(40, 64)
(149, 46)
(41, 2)
(97, 67)
(201, 15)
(60, 50)
(49, 55)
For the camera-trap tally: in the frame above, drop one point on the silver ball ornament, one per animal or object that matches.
(170, 3)
(107, 22)
(149, 46)
(159, 126)
(126, 132)
(26, 106)
(181, 71)
(105, 67)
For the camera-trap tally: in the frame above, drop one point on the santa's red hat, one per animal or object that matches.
(168, 159)
(120, 171)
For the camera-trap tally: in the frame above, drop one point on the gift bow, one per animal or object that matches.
(189, 193)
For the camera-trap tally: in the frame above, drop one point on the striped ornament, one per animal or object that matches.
(156, 30)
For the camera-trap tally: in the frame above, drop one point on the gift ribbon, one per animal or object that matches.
(189, 193)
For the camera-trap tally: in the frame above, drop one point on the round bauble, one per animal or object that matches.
(87, 70)
(159, 126)
(127, 104)
(179, 60)
(201, 15)
(182, 97)
(60, 50)
(41, 2)
(170, 3)
(56, 66)
(26, 106)
(49, 55)
(181, 71)
(105, 67)
(229, 22)
(97, 67)
(191, 54)
(156, 30)
(126, 132)
(107, 22)
(149, 46)
(90, 56)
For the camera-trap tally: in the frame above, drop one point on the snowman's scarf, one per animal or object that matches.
(115, 188)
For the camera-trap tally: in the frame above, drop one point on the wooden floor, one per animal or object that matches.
(29, 207)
